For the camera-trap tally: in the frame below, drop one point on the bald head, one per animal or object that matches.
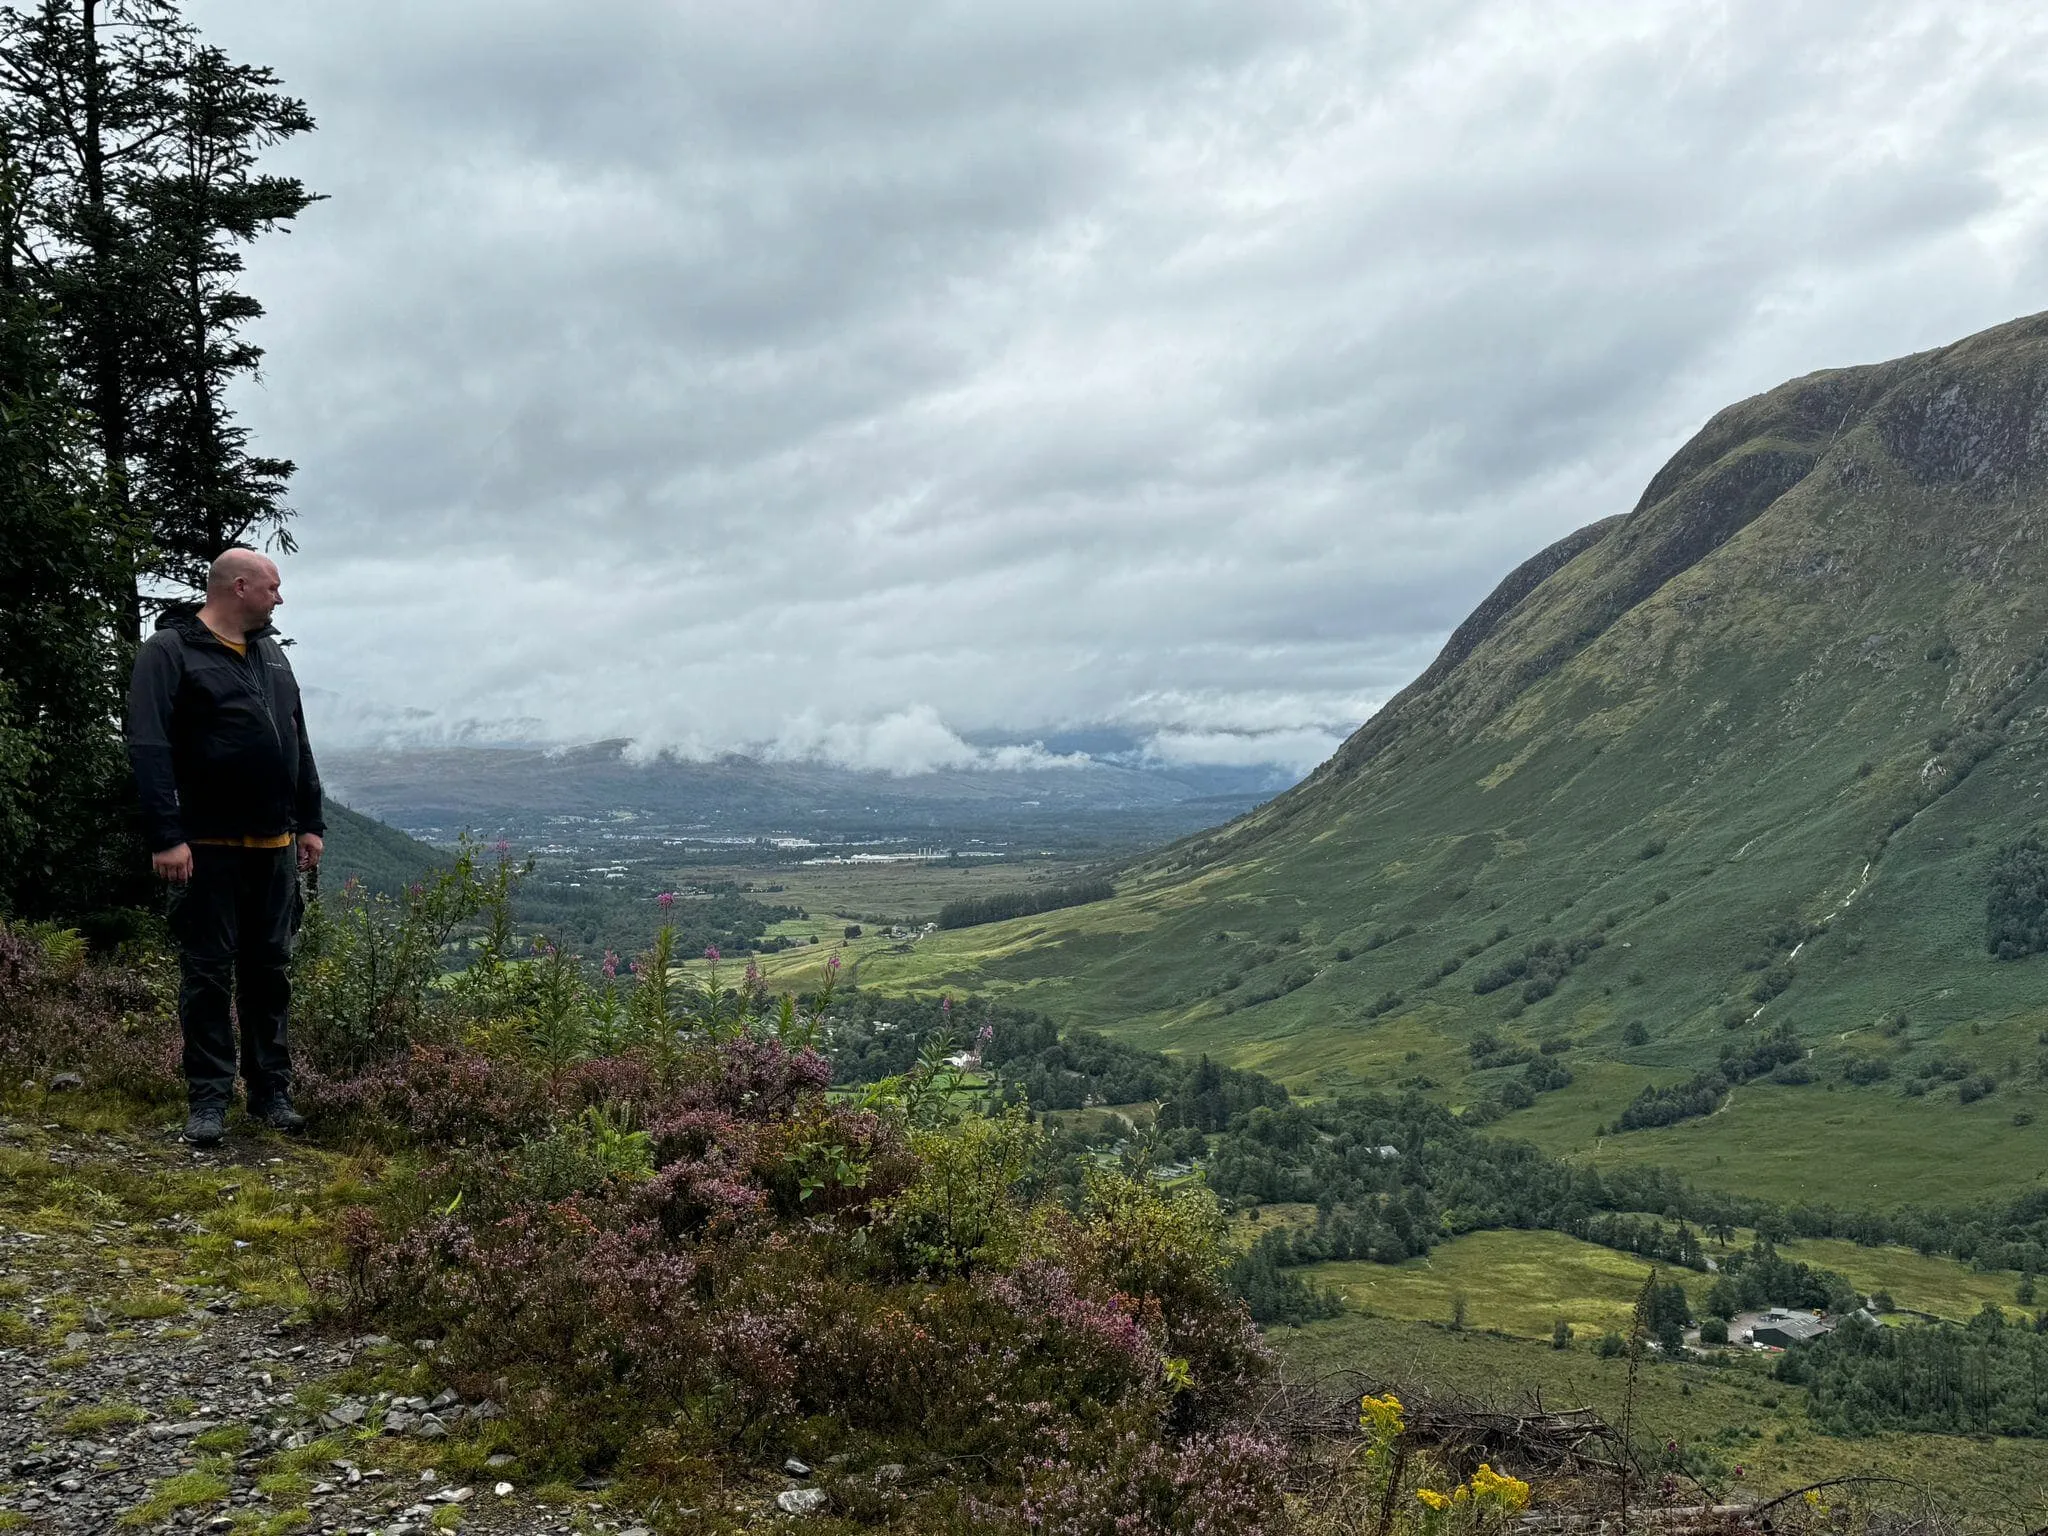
(241, 593)
(237, 565)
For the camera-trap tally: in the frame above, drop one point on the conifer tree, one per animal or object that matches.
(131, 149)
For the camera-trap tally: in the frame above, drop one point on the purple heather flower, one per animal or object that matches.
(665, 900)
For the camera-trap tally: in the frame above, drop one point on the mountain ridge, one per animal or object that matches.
(1741, 755)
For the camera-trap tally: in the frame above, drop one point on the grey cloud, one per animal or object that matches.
(854, 379)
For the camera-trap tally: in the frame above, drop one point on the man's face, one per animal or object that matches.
(260, 594)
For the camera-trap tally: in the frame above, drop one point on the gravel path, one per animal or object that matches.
(148, 1383)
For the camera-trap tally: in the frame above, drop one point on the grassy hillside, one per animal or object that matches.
(1737, 761)
(382, 858)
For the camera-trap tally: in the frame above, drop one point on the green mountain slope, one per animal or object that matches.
(382, 858)
(1734, 764)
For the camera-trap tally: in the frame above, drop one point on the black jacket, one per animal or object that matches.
(218, 740)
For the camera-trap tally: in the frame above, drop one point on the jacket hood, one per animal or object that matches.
(184, 618)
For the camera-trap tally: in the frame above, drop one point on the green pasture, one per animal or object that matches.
(1917, 1282)
(1514, 1282)
(897, 893)
(1522, 1282)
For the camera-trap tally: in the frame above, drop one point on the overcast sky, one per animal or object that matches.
(844, 377)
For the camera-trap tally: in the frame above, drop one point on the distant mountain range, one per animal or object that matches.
(1703, 806)
(438, 790)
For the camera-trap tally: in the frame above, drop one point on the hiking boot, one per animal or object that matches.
(205, 1127)
(279, 1115)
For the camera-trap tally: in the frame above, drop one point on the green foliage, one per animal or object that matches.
(1764, 1278)
(1714, 1330)
(1703, 1093)
(142, 264)
(1541, 967)
(1981, 1379)
(1275, 1293)
(972, 911)
(583, 1155)
(367, 967)
(66, 842)
(962, 1211)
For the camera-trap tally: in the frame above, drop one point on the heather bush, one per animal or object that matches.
(688, 1251)
(633, 1212)
(113, 1023)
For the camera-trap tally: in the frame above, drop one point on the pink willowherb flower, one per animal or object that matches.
(611, 965)
(985, 1034)
(945, 1006)
(665, 900)
(832, 964)
(711, 953)
(502, 847)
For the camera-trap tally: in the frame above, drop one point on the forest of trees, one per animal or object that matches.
(972, 911)
(2016, 911)
(1704, 1092)
(129, 187)
(1989, 1377)
(1443, 1177)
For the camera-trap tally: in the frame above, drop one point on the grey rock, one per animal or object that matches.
(447, 1399)
(796, 1468)
(891, 1472)
(801, 1501)
(498, 1459)
(635, 1530)
(428, 1427)
(503, 1490)
(398, 1421)
(487, 1410)
(66, 1082)
(184, 1431)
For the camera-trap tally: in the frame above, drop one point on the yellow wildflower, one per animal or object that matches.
(1381, 1415)
(1436, 1501)
(1510, 1493)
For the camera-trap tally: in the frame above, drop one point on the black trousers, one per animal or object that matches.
(234, 923)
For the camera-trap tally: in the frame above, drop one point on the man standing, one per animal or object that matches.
(231, 811)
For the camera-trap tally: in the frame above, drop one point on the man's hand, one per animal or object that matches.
(311, 846)
(173, 864)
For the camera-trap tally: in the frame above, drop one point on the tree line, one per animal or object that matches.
(130, 187)
(1392, 1175)
(972, 911)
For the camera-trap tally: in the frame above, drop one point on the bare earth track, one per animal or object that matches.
(156, 1373)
